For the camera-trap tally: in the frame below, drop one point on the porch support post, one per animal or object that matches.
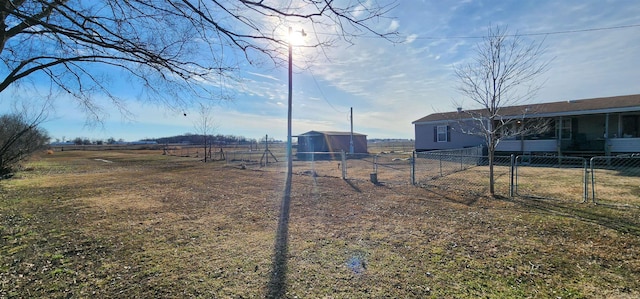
(559, 141)
(619, 128)
(607, 151)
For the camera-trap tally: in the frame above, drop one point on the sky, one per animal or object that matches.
(593, 48)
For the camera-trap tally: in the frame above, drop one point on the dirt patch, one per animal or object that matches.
(103, 160)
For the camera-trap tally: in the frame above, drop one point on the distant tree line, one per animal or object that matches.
(218, 139)
(187, 138)
(87, 141)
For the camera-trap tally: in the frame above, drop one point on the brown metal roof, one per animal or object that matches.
(571, 107)
(330, 133)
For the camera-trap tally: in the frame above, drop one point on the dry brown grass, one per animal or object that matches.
(148, 225)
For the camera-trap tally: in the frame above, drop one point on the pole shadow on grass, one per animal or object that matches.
(604, 216)
(353, 186)
(277, 282)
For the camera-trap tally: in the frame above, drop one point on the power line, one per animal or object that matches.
(322, 94)
(539, 33)
(517, 34)
(584, 30)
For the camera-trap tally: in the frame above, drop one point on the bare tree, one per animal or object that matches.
(204, 125)
(20, 136)
(502, 74)
(178, 50)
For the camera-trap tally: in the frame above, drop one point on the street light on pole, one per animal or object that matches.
(290, 102)
(289, 151)
(278, 273)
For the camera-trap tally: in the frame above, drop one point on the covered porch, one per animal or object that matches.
(580, 135)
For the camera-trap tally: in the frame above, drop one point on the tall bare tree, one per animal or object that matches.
(502, 74)
(205, 125)
(176, 49)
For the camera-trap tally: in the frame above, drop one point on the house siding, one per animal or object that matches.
(548, 145)
(426, 139)
(625, 145)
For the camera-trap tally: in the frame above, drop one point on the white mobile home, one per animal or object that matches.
(599, 126)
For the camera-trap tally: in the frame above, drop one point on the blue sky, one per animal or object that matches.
(390, 85)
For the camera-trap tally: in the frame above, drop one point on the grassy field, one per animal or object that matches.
(129, 224)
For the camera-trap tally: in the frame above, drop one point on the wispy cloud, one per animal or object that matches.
(391, 84)
(411, 38)
(393, 26)
(265, 76)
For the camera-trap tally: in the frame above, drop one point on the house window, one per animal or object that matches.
(565, 128)
(630, 126)
(508, 131)
(543, 129)
(442, 134)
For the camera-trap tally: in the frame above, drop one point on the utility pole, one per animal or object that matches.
(351, 139)
(289, 152)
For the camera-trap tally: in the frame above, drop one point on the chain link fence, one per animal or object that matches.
(326, 164)
(383, 168)
(611, 180)
(551, 177)
(249, 158)
(390, 146)
(615, 180)
(316, 164)
(608, 180)
(461, 170)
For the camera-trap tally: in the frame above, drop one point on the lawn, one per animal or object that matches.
(140, 224)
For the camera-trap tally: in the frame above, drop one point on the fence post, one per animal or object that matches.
(515, 167)
(375, 164)
(413, 168)
(593, 180)
(585, 181)
(344, 165)
(511, 168)
(440, 163)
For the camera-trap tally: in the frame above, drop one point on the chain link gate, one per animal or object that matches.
(557, 177)
(615, 180)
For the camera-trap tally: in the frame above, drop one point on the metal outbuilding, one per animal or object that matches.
(330, 142)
